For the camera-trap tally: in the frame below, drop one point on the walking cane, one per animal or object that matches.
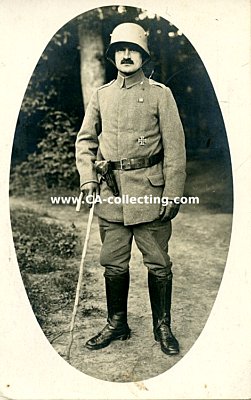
(81, 270)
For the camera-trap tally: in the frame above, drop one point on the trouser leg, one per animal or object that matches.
(152, 240)
(116, 247)
(115, 256)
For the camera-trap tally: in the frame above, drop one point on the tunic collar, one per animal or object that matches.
(131, 80)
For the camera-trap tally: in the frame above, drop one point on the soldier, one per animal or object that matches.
(133, 123)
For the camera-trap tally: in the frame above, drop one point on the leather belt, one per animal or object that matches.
(127, 164)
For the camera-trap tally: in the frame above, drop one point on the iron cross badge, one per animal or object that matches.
(142, 140)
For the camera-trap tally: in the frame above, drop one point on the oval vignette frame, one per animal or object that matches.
(177, 293)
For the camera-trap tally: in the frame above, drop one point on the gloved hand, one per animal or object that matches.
(169, 211)
(90, 189)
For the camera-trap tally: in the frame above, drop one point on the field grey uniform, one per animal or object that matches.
(129, 118)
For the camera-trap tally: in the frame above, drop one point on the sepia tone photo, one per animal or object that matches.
(121, 194)
(151, 123)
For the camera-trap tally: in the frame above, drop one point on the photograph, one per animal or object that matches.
(121, 182)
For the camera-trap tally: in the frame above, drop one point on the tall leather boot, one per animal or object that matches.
(117, 328)
(160, 291)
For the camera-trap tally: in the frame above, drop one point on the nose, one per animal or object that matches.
(127, 53)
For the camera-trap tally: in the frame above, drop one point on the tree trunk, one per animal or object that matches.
(164, 53)
(92, 68)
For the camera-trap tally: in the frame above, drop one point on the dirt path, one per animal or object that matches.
(198, 248)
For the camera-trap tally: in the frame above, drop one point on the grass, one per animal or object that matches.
(41, 247)
(46, 256)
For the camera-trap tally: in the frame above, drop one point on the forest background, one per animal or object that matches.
(73, 64)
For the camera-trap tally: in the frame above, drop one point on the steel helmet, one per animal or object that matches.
(128, 33)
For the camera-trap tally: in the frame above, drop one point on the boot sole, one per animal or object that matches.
(102, 346)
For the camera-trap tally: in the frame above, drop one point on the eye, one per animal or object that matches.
(120, 50)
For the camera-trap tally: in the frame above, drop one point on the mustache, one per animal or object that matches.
(127, 61)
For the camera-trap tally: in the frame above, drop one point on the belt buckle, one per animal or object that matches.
(125, 163)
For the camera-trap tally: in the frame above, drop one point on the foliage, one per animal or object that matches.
(52, 108)
(49, 74)
(53, 165)
(43, 151)
(41, 247)
(54, 87)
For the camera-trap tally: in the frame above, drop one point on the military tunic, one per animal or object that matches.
(128, 118)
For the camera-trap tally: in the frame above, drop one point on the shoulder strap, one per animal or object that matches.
(155, 83)
(106, 85)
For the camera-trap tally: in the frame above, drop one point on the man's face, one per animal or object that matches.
(127, 59)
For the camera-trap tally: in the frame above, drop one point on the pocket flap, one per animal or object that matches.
(156, 180)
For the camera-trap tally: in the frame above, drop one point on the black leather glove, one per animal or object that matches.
(169, 211)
